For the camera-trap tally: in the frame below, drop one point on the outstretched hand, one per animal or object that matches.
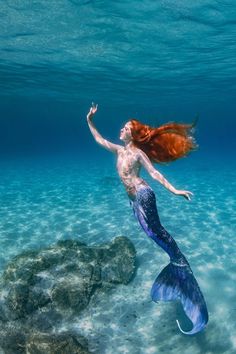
(92, 111)
(186, 194)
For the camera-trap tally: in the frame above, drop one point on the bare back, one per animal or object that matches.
(128, 167)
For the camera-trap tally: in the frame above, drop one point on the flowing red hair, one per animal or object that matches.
(166, 143)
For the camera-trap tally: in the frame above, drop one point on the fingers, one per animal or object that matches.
(94, 106)
(93, 109)
(188, 194)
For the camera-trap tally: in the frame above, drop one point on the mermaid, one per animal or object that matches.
(144, 146)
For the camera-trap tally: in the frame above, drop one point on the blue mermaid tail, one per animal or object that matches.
(176, 281)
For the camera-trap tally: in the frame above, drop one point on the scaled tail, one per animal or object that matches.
(177, 282)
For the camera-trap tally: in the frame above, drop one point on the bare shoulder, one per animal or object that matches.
(120, 149)
(145, 161)
(142, 155)
(112, 147)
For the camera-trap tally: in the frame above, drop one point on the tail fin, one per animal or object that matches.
(177, 282)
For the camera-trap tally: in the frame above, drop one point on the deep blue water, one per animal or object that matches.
(155, 61)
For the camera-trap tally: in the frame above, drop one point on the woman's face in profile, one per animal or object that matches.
(125, 133)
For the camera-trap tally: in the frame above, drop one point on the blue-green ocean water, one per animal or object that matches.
(155, 61)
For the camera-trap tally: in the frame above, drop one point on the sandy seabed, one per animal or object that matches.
(39, 208)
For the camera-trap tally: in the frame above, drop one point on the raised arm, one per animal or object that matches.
(146, 163)
(97, 136)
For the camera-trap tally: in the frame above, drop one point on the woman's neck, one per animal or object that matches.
(129, 144)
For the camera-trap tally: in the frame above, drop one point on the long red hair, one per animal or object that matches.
(166, 143)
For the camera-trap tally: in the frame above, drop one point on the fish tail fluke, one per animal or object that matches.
(177, 282)
(194, 330)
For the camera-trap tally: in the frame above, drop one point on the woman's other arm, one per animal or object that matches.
(97, 136)
(145, 161)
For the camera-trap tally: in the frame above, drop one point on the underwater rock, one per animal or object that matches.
(63, 343)
(66, 274)
(38, 289)
(65, 294)
(19, 340)
(45, 320)
(12, 340)
(17, 299)
(118, 262)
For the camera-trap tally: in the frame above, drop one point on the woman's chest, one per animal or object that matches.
(127, 161)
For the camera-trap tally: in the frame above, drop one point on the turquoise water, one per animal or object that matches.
(155, 61)
(44, 203)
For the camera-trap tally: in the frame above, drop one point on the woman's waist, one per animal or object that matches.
(134, 186)
(133, 182)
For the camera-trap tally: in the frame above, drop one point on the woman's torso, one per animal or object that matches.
(128, 167)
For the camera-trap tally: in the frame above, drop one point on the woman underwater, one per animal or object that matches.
(143, 144)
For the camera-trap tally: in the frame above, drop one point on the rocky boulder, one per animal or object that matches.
(38, 289)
